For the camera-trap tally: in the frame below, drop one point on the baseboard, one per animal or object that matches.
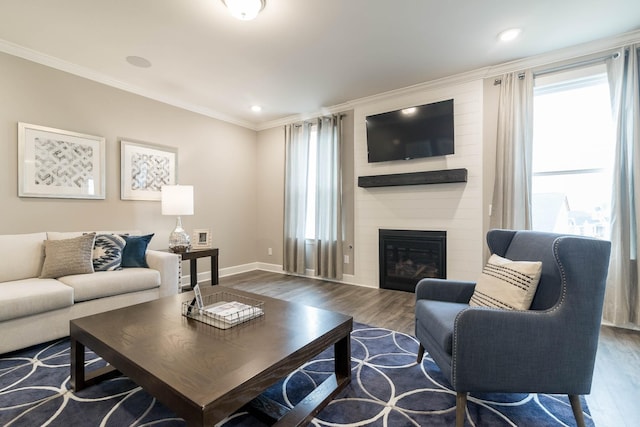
(205, 276)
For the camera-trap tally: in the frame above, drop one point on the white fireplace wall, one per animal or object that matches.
(455, 208)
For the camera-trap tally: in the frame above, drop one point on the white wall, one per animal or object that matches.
(455, 208)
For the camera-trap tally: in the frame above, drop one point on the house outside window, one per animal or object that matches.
(573, 152)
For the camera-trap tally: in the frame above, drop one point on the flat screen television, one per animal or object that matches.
(411, 133)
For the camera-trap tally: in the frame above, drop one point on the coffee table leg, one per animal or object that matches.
(342, 351)
(312, 404)
(77, 365)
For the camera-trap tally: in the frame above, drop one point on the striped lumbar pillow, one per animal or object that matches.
(507, 284)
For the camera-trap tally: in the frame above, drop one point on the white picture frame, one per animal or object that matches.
(201, 238)
(145, 168)
(56, 163)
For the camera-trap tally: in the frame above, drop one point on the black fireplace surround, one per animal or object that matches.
(406, 256)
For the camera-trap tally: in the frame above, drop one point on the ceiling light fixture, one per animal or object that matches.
(256, 108)
(245, 10)
(510, 34)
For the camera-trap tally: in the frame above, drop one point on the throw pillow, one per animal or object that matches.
(68, 256)
(133, 254)
(107, 252)
(507, 284)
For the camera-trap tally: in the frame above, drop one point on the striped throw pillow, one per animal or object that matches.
(507, 284)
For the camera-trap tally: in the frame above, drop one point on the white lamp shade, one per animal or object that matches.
(177, 199)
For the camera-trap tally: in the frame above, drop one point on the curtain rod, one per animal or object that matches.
(579, 64)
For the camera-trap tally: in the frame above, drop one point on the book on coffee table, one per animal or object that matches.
(232, 312)
(222, 309)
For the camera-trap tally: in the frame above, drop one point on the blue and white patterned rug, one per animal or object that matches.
(388, 389)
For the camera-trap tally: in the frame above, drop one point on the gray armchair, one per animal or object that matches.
(550, 348)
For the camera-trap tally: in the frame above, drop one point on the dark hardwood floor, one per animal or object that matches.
(615, 396)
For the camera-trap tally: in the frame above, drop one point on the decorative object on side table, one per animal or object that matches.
(60, 164)
(178, 200)
(201, 238)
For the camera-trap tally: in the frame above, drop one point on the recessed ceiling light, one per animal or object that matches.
(256, 108)
(138, 61)
(510, 34)
(409, 110)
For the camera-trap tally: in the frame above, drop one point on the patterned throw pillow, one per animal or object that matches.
(107, 252)
(507, 284)
(68, 256)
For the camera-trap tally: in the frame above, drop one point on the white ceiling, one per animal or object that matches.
(298, 56)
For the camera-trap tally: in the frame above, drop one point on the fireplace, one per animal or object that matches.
(406, 256)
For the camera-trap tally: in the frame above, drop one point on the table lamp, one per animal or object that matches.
(178, 200)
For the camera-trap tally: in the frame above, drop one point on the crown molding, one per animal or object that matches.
(541, 60)
(90, 74)
(567, 54)
(560, 55)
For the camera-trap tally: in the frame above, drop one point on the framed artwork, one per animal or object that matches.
(57, 163)
(201, 239)
(145, 168)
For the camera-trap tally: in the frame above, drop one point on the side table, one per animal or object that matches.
(193, 255)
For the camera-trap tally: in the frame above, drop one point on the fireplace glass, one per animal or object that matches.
(406, 256)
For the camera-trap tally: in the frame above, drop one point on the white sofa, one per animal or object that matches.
(35, 310)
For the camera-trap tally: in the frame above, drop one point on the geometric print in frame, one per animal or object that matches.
(59, 163)
(149, 172)
(63, 163)
(145, 168)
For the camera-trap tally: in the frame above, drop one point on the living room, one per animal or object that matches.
(237, 167)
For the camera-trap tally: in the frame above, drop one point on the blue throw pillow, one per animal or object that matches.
(133, 254)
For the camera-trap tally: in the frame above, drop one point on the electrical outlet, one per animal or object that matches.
(270, 251)
(346, 259)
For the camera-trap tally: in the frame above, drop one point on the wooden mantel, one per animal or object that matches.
(414, 178)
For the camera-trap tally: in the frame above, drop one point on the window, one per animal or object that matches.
(573, 149)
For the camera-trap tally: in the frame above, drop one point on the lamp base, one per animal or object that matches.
(179, 240)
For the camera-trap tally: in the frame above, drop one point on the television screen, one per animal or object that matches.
(411, 133)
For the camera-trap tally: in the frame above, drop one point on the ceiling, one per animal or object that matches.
(298, 56)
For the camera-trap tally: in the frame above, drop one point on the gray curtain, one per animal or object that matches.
(329, 199)
(511, 206)
(295, 196)
(622, 300)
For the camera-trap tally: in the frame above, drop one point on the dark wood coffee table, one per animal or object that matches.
(203, 373)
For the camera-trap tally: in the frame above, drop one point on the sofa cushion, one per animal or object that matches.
(21, 256)
(68, 256)
(108, 283)
(507, 284)
(438, 319)
(107, 252)
(26, 297)
(133, 254)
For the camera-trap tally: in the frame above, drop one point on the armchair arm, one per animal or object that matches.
(445, 290)
(168, 264)
(534, 352)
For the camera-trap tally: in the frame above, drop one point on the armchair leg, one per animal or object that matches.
(577, 409)
(461, 407)
(420, 354)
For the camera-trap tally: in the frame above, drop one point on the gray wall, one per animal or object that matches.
(218, 158)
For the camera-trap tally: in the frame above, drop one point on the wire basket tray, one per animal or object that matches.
(224, 310)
